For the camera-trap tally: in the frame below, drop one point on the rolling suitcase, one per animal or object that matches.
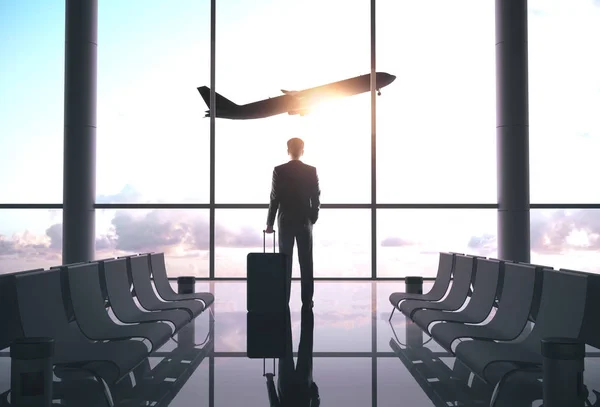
(266, 280)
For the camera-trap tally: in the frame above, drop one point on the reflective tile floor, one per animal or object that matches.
(358, 357)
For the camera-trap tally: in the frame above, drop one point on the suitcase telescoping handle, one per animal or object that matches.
(265, 241)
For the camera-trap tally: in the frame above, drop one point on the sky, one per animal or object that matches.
(435, 128)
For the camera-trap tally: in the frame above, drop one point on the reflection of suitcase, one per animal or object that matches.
(266, 285)
(267, 335)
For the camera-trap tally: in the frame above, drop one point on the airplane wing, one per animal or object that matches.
(289, 92)
(301, 112)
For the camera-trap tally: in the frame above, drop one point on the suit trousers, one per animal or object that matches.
(302, 235)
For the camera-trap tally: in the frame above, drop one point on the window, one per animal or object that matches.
(254, 63)
(30, 239)
(410, 240)
(32, 38)
(153, 145)
(341, 242)
(181, 234)
(564, 100)
(566, 239)
(436, 128)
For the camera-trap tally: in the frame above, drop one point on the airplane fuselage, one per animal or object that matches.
(299, 102)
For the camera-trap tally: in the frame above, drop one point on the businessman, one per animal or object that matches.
(295, 200)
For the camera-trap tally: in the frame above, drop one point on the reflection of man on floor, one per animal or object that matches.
(295, 200)
(295, 385)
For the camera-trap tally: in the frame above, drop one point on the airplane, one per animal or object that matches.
(294, 102)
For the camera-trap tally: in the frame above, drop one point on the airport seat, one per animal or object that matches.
(440, 286)
(65, 287)
(9, 316)
(463, 273)
(561, 314)
(590, 331)
(103, 283)
(114, 272)
(163, 287)
(537, 294)
(480, 304)
(510, 319)
(139, 266)
(39, 308)
(88, 303)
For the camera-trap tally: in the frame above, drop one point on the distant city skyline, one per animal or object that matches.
(435, 129)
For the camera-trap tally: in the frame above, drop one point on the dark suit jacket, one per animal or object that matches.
(294, 193)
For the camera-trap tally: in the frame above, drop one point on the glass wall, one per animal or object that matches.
(30, 239)
(564, 100)
(32, 38)
(182, 234)
(264, 47)
(435, 143)
(410, 240)
(152, 143)
(566, 238)
(436, 134)
(338, 251)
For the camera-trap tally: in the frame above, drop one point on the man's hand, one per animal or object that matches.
(269, 229)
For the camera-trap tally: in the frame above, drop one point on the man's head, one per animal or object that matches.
(295, 148)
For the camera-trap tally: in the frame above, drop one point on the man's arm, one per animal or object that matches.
(315, 200)
(274, 203)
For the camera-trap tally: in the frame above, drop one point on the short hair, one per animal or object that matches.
(295, 146)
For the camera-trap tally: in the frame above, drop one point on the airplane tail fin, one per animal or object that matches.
(222, 102)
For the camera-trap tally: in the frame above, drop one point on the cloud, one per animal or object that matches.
(105, 243)
(484, 244)
(553, 232)
(28, 251)
(395, 242)
(127, 195)
(179, 233)
(562, 230)
(247, 237)
(161, 230)
(166, 230)
(538, 12)
(155, 230)
(184, 233)
(54, 232)
(22, 244)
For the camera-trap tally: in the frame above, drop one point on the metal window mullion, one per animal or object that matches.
(211, 360)
(373, 147)
(211, 232)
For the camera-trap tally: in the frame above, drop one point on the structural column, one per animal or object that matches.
(79, 180)
(512, 130)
